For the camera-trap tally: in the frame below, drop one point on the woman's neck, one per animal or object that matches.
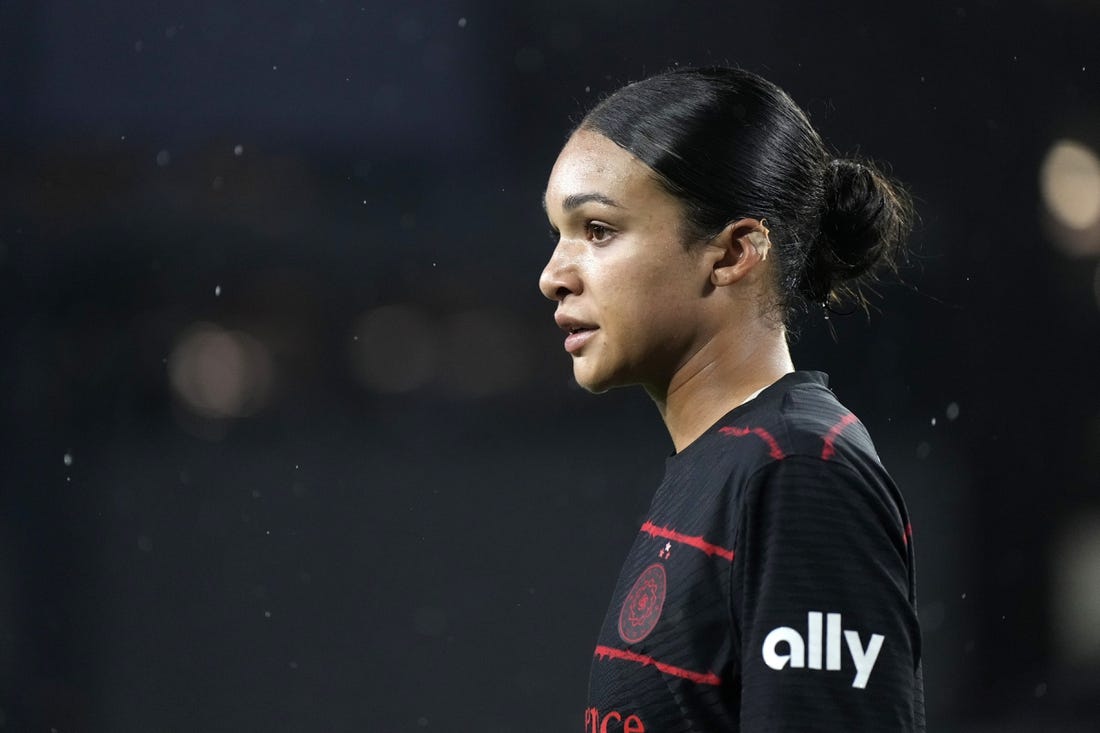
(726, 372)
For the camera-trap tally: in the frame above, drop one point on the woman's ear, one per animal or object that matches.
(742, 245)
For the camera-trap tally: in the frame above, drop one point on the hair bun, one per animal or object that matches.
(865, 219)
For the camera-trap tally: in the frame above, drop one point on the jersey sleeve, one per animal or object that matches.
(823, 602)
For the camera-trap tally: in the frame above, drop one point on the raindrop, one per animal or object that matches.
(1040, 689)
(238, 150)
(164, 158)
(422, 722)
(933, 422)
(145, 544)
(953, 411)
(923, 450)
(68, 459)
(274, 68)
(461, 22)
(138, 46)
(218, 292)
(293, 665)
(267, 614)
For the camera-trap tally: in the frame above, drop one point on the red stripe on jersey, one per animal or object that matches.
(697, 542)
(907, 534)
(773, 445)
(829, 449)
(703, 679)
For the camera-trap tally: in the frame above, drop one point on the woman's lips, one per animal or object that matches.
(576, 340)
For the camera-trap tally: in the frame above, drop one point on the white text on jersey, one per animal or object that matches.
(808, 652)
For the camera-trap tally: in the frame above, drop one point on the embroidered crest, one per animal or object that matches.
(642, 607)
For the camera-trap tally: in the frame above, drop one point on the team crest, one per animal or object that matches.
(642, 607)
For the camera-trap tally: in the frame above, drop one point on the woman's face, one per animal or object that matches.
(628, 289)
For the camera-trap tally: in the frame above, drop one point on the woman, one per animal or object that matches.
(771, 584)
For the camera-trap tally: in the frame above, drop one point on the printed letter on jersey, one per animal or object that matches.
(643, 604)
(864, 659)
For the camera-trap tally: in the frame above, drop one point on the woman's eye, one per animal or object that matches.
(598, 232)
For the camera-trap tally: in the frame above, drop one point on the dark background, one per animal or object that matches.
(289, 439)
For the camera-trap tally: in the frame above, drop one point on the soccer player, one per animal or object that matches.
(771, 584)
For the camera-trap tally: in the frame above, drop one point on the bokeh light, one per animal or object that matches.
(394, 349)
(486, 353)
(218, 373)
(469, 354)
(1077, 592)
(1069, 180)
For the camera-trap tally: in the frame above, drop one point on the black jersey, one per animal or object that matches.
(770, 587)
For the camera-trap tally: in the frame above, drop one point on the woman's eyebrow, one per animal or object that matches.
(574, 200)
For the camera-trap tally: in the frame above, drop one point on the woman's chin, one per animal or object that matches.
(591, 380)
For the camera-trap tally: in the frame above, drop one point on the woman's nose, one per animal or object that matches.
(559, 277)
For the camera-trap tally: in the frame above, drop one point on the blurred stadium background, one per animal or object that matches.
(289, 440)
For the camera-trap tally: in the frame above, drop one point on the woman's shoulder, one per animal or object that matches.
(797, 416)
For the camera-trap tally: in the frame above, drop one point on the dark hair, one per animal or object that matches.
(730, 144)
